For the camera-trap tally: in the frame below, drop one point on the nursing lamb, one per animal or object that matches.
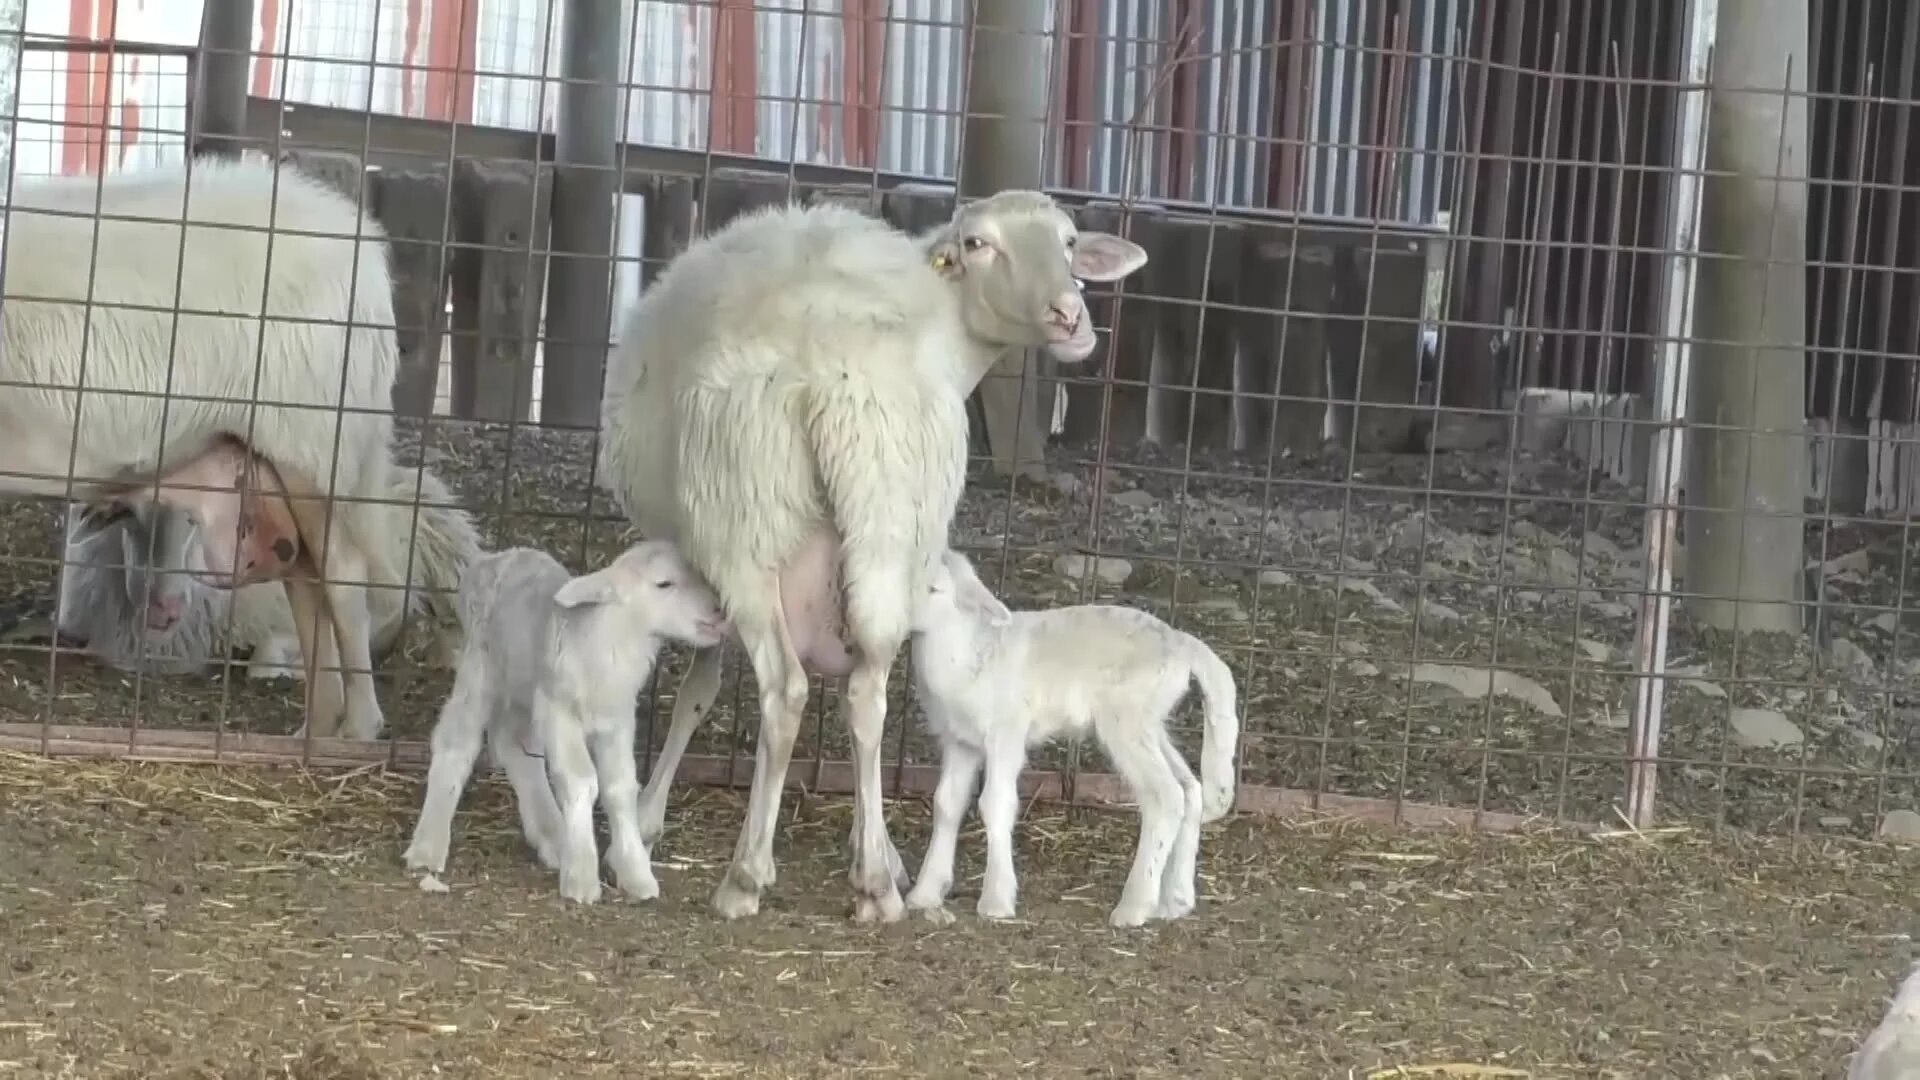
(553, 666)
(127, 595)
(138, 354)
(996, 683)
(788, 406)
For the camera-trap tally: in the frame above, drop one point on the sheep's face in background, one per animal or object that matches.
(158, 544)
(1015, 257)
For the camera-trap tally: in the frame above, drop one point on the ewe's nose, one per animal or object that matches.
(163, 610)
(1066, 311)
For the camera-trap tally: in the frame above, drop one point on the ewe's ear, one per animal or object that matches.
(943, 252)
(1099, 256)
(599, 587)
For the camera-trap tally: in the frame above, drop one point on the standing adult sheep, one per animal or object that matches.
(788, 406)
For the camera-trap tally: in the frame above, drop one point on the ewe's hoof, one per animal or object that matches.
(431, 858)
(1174, 908)
(996, 909)
(581, 887)
(735, 902)
(1126, 918)
(886, 908)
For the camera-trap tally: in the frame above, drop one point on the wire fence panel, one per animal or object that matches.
(1430, 411)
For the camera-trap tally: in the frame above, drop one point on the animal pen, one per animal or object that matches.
(1447, 329)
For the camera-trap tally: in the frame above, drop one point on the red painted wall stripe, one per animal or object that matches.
(863, 39)
(453, 31)
(1081, 36)
(263, 60)
(734, 105)
(74, 113)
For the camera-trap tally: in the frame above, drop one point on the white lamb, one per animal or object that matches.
(127, 595)
(1891, 1051)
(788, 406)
(995, 684)
(219, 354)
(554, 665)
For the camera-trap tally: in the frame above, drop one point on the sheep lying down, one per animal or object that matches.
(552, 667)
(994, 683)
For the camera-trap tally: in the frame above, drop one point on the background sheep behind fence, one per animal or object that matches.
(1427, 576)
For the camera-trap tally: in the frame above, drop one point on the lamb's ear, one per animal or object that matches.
(973, 595)
(599, 587)
(1100, 256)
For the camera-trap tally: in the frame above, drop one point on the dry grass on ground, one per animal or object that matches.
(174, 922)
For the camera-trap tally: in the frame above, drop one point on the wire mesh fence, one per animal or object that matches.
(1447, 328)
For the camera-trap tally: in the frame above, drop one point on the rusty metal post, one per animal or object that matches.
(220, 105)
(586, 182)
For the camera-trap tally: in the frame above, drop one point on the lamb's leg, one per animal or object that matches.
(457, 739)
(311, 620)
(1136, 755)
(783, 701)
(576, 783)
(1178, 886)
(627, 856)
(540, 820)
(876, 890)
(959, 768)
(691, 705)
(278, 657)
(999, 807)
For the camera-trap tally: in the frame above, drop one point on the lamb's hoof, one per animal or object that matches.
(1174, 907)
(935, 912)
(635, 878)
(548, 853)
(582, 886)
(879, 910)
(997, 909)
(734, 900)
(1127, 916)
(421, 855)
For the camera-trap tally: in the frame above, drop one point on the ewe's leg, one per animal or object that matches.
(311, 621)
(959, 768)
(999, 806)
(876, 890)
(1136, 755)
(540, 820)
(575, 785)
(353, 630)
(612, 745)
(1178, 885)
(457, 738)
(783, 700)
(691, 705)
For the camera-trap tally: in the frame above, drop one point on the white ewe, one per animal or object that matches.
(127, 595)
(788, 406)
(995, 684)
(555, 666)
(1892, 1050)
(273, 405)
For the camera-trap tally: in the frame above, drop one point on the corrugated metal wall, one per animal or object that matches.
(808, 61)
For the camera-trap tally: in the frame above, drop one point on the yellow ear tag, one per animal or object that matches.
(941, 262)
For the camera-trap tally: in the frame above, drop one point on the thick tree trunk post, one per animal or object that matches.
(1746, 478)
(1006, 143)
(220, 109)
(585, 182)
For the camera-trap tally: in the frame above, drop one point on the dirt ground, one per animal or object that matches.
(196, 921)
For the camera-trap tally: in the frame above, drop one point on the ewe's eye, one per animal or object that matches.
(973, 243)
(1071, 241)
(663, 584)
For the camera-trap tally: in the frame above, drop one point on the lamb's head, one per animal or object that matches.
(951, 592)
(1014, 257)
(650, 587)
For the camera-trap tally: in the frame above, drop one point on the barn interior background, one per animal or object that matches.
(1387, 420)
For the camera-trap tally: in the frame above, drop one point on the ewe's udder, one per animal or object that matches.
(811, 596)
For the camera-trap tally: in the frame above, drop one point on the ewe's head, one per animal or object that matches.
(651, 587)
(950, 590)
(1015, 257)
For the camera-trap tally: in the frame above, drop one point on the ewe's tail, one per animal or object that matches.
(1222, 731)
